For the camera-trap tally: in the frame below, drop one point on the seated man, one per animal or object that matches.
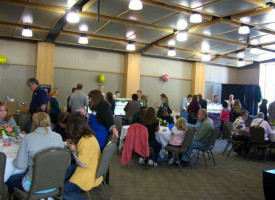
(137, 117)
(259, 121)
(166, 118)
(202, 135)
(239, 131)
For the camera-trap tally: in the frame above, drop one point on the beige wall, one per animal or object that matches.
(176, 88)
(248, 76)
(21, 61)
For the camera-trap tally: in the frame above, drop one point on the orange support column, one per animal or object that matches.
(198, 78)
(131, 81)
(45, 63)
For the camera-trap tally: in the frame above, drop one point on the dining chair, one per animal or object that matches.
(257, 142)
(185, 146)
(3, 186)
(208, 148)
(104, 165)
(227, 129)
(50, 167)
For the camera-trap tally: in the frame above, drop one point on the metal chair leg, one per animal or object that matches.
(212, 157)
(204, 159)
(230, 150)
(248, 153)
(88, 194)
(106, 188)
(226, 147)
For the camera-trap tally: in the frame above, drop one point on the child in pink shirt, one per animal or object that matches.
(178, 133)
(224, 116)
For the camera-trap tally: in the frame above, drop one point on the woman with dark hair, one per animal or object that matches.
(110, 98)
(164, 104)
(263, 108)
(152, 124)
(101, 120)
(236, 110)
(60, 127)
(5, 117)
(193, 110)
(86, 152)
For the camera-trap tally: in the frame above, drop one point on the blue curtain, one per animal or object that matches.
(249, 95)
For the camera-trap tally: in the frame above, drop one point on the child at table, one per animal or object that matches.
(178, 133)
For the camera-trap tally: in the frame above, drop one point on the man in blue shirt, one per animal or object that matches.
(39, 96)
(216, 99)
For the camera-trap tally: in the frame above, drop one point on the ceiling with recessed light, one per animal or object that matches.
(227, 32)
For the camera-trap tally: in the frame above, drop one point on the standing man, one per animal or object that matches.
(216, 99)
(78, 100)
(271, 111)
(202, 102)
(117, 94)
(184, 104)
(68, 100)
(230, 101)
(39, 96)
(142, 97)
(101, 88)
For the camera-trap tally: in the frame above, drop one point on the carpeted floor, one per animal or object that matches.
(232, 178)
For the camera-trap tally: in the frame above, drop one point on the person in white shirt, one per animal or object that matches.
(271, 111)
(259, 121)
(230, 101)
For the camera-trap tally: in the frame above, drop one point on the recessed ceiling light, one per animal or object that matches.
(131, 46)
(245, 19)
(27, 19)
(182, 36)
(72, 16)
(172, 43)
(205, 46)
(83, 39)
(171, 52)
(240, 54)
(135, 5)
(83, 27)
(206, 57)
(195, 18)
(27, 32)
(244, 29)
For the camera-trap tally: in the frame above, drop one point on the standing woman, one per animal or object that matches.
(263, 108)
(86, 152)
(101, 120)
(55, 110)
(164, 104)
(236, 110)
(110, 98)
(193, 110)
(5, 118)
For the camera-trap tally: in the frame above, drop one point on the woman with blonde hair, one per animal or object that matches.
(5, 117)
(236, 110)
(41, 138)
(178, 133)
(55, 110)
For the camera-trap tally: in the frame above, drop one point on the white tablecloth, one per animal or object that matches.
(11, 153)
(163, 136)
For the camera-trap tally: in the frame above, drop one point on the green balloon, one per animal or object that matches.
(3, 59)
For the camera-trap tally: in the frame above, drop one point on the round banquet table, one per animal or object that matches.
(11, 153)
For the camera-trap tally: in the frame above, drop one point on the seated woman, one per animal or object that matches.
(152, 124)
(178, 133)
(166, 119)
(86, 151)
(5, 118)
(60, 127)
(41, 138)
(27, 128)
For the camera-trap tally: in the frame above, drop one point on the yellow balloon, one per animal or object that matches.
(3, 59)
(101, 78)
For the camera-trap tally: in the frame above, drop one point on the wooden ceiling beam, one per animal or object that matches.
(217, 39)
(126, 21)
(251, 13)
(174, 8)
(33, 28)
(203, 25)
(97, 37)
(215, 58)
(257, 2)
(88, 4)
(33, 5)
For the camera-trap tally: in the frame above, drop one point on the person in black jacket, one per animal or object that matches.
(202, 102)
(263, 108)
(166, 118)
(110, 98)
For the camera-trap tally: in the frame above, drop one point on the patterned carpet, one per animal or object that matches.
(232, 178)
